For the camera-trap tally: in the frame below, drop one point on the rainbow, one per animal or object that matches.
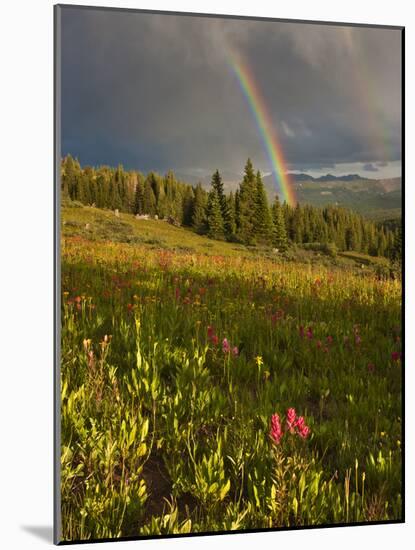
(265, 127)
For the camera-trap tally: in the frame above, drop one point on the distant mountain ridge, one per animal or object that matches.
(328, 177)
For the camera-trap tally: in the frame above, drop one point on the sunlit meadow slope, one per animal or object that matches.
(182, 359)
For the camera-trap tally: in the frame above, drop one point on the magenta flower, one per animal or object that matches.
(302, 429)
(329, 339)
(226, 348)
(235, 351)
(276, 430)
(309, 333)
(291, 418)
(304, 432)
(215, 340)
(396, 355)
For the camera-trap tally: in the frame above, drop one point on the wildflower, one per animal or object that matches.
(210, 332)
(304, 432)
(291, 418)
(235, 351)
(371, 367)
(226, 348)
(357, 339)
(277, 316)
(259, 361)
(215, 340)
(396, 356)
(276, 430)
(87, 343)
(329, 339)
(319, 344)
(302, 429)
(309, 333)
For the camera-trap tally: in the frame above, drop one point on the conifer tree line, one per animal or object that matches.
(244, 216)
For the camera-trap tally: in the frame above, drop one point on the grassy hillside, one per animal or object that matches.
(95, 224)
(208, 386)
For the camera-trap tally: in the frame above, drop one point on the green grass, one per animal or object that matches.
(176, 352)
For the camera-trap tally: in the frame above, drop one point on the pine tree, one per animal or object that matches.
(227, 217)
(230, 217)
(199, 222)
(247, 196)
(188, 205)
(214, 216)
(263, 220)
(279, 239)
(149, 200)
(139, 197)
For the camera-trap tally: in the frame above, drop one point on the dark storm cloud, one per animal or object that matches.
(156, 92)
(369, 167)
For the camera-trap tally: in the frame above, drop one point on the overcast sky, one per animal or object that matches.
(155, 92)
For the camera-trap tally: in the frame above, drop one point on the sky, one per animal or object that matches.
(158, 92)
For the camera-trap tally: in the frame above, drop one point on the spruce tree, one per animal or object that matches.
(214, 216)
(263, 220)
(139, 197)
(149, 200)
(217, 184)
(247, 203)
(199, 222)
(279, 239)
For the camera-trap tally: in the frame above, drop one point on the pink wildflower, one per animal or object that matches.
(291, 418)
(309, 333)
(396, 356)
(302, 429)
(329, 339)
(276, 430)
(304, 432)
(371, 367)
(226, 348)
(235, 351)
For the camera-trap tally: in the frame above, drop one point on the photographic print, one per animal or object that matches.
(229, 246)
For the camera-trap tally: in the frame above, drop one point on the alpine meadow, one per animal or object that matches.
(231, 238)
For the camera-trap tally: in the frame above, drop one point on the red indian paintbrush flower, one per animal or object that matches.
(291, 418)
(276, 430)
(226, 348)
